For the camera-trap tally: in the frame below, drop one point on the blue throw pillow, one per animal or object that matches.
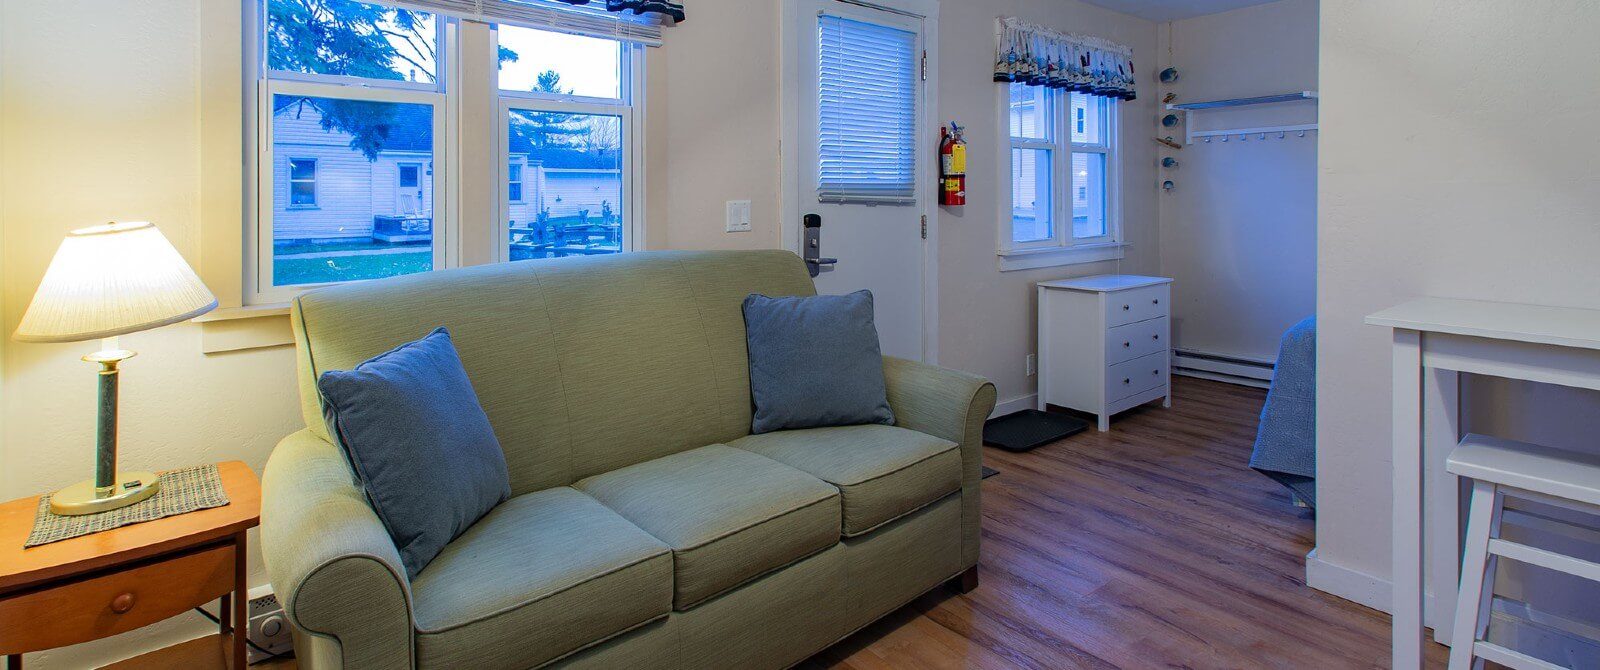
(424, 450)
(814, 361)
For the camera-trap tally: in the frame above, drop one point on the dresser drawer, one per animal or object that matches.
(1136, 376)
(1135, 340)
(1134, 305)
(116, 602)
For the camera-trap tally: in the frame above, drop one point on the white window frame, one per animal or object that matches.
(629, 107)
(1061, 248)
(268, 83)
(444, 95)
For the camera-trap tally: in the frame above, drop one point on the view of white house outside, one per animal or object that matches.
(349, 189)
(564, 155)
(342, 210)
(566, 184)
(353, 113)
(1040, 137)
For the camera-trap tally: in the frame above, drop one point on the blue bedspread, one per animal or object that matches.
(1286, 441)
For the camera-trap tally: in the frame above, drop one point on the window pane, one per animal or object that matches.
(369, 220)
(354, 39)
(866, 112)
(1088, 195)
(547, 62)
(1029, 108)
(1030, 195)
(301, 168)
(302, 193)
(1088, 119)
(571, 197)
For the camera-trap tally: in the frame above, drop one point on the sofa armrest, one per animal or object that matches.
(333, 566)
(951, 405)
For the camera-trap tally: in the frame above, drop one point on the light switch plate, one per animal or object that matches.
(738, 216)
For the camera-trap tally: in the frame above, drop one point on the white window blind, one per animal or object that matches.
(591, 20)
(866, 109)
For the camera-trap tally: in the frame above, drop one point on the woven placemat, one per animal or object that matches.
(184, 490)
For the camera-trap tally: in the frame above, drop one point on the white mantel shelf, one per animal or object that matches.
(1537, 324)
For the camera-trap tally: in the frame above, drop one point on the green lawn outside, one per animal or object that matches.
(356, 265)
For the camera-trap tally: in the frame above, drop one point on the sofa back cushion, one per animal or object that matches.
(583, 365)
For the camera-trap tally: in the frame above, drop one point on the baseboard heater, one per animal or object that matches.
(1243, 370)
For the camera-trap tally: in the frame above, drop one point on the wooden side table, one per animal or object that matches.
(99, 585)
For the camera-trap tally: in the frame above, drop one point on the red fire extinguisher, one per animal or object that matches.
(952, 166)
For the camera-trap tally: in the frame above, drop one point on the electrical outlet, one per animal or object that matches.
(738, 216)
(269, 629)
(1033, 365)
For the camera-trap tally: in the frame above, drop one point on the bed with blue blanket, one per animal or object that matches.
(1286, 441)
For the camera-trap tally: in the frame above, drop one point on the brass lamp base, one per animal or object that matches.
(83, 498)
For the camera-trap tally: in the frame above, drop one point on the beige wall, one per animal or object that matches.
(1239, 232)
(100, 118)
(1457, 160)
(714, 127)
(121, 110)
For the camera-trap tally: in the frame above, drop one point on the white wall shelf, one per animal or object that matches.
(1193, 107)
(1240, 102)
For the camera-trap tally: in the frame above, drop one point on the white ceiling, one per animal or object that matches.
(1173, 10)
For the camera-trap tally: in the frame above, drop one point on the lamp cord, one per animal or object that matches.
(269, 655)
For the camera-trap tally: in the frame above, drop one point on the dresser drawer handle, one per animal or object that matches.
(1126, 345)
(1125, 308)
(121, 604)
(1127, 381)
(1155, 372)
(1155, 337)
(1155, 301)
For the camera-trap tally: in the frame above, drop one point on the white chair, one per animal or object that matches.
(1499, 468)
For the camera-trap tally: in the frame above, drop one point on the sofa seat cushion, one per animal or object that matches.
(729, 515)
(882, 472)
(540, 576)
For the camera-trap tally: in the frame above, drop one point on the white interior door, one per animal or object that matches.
(856, 154)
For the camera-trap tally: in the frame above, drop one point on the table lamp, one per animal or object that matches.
(103, 282)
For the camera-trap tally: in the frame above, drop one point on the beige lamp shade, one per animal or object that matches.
(113, 279)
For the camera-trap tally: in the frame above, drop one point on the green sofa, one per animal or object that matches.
(647, 527)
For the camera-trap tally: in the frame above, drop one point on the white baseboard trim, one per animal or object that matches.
(1348, 583)
(1017, 404)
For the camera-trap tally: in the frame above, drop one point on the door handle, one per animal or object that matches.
(811, 250)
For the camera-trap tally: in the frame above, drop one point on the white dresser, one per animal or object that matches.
(1103, 343)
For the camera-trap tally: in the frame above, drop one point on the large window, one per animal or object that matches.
(352, 111)
(358, 109)
(1062, 147)
(567, 113)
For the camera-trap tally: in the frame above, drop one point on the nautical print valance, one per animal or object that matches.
(1028, 54)
(672, 10)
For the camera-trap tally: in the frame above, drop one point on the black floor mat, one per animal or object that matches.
(1029, 429)
(989, 472)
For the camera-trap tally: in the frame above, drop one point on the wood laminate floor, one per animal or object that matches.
(1149, 546)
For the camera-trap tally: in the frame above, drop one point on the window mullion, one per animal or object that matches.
(1061, 112)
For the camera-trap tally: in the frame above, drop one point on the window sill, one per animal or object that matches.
(244, 328)
(1028, 259)
(246, 312)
